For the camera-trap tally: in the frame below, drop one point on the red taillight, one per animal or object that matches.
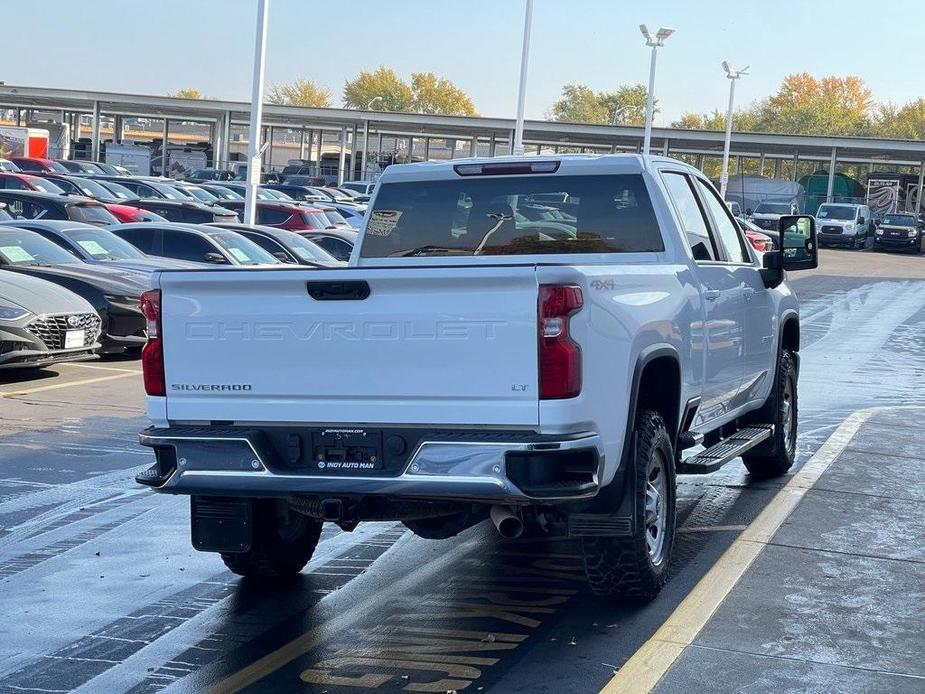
(560, 356)
(152, 354)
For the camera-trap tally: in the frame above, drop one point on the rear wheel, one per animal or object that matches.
(636, 567)
(776, 455)
(282, 543)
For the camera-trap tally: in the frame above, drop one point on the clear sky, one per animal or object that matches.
(156, 46)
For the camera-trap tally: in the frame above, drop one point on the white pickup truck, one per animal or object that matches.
(534, 340)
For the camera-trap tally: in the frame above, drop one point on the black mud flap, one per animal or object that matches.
(613, 511)
(221, 524)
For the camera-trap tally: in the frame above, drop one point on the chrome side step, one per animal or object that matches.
(713, 458)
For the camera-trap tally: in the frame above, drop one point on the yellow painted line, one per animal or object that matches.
(643, 671)
(102, 368)
(69, 384)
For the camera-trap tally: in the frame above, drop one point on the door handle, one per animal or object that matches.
(711, 294)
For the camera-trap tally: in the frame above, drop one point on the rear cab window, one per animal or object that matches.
(513, 215)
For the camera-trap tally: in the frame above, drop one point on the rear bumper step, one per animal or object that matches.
(462, 465)
(713, 458)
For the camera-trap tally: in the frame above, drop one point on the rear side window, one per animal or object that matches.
(513, 215)
(142, 239)
(271, 216)
(186, 246)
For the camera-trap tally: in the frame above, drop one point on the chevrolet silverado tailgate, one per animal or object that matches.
(436, 345)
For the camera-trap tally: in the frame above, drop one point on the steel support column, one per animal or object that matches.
(794, 175)
(225, 154)
(165, 134)
(365, 148)
(831, 186)
(474, 147)
(354, 155)
(342, 160)
(426, 149)
(761, 165)
(918, 199)
(95, 137)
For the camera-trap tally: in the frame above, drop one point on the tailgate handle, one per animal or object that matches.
(353, 290)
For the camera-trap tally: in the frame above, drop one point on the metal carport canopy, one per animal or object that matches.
(420, 125)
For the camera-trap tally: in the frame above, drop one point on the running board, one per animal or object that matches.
(713, 458)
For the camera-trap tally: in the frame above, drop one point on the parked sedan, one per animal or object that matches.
(80, 167)
(194, 243)
(97, 246)
(37, 164)
(285, 215)
(31, 205)
(221, 192)
(189, 211)
(748, 227)
(285, 245)
(113, 293)
(22, 181)
(300, 193)
(337, 242)
(42, 323)
(87, 187)
(147, 188)
(203, 175)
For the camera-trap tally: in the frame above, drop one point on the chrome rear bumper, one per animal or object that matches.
(216, 461)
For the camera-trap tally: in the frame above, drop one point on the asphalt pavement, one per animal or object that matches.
(102, 592)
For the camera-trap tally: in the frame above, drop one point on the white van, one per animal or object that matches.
(844, 224)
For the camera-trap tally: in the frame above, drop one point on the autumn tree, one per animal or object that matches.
(804, 104)
(381, 90)
(580, 104)
(438, 96)
(188, 93)
(301, 92)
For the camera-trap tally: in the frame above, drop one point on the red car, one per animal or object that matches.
(63, 185)
(38, 164)
(285, 215)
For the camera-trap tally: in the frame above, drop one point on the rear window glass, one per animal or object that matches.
(242, 249)
(513, 215)
(899, 220)
(94, 214)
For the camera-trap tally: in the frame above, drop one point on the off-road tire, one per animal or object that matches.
(621, 567)
(775, 456)
(278, 549)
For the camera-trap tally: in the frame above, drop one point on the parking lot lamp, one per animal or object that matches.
(254, 148)
(654, 42)
(518, 144)
(732, 76)
(372, 101)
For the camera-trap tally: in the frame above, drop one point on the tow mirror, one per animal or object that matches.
(798, 248)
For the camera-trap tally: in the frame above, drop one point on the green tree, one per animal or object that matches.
(301, 92)
(627, 105)
(438, 96)
(381, 90)
(188, 93)
(904, 123)
(744, 120)
(580, 104)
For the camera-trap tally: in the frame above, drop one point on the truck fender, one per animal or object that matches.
(612, 512)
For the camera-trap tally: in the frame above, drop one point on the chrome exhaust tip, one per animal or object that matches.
(508, 521)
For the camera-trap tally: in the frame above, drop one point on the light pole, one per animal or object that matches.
(732, 76)
(254, 148)
(372, 101)
(518, 146)
(654, 43)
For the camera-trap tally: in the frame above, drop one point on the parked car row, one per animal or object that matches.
(844, 225)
